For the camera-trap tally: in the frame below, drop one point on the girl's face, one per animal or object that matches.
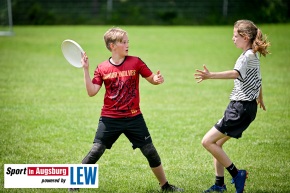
(242, 42)
(122, 48)
(239, 41)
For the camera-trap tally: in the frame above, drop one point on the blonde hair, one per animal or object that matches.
(114, 35)
(247, 28)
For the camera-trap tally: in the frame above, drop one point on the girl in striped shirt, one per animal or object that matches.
(242, 109)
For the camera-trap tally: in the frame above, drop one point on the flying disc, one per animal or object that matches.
(72, 52)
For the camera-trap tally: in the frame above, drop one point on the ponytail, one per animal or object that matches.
(260, 43)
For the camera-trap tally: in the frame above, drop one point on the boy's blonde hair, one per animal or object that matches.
(114, 35)
(247, 28)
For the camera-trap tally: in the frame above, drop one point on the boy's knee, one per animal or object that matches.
(95, 153)
(151, 154)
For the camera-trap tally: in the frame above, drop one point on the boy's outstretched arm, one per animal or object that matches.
(206, 74)
(92, 89)
(155, 78)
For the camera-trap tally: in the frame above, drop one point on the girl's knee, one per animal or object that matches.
(205, 143)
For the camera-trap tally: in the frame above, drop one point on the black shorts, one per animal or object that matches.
(237, 118)
(134, 128)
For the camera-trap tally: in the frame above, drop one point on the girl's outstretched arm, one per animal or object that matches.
(206, 74)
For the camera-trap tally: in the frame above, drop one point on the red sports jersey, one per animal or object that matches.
(122, 86)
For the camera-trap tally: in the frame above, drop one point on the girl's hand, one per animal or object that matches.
(261, 103)
(202, 75)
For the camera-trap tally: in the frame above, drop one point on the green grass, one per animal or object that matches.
(47, 118)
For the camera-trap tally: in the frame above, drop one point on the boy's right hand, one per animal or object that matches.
(85, 60)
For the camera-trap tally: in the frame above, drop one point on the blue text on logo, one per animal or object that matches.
(84, 175)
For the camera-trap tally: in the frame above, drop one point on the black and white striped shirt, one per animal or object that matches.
(247, 85)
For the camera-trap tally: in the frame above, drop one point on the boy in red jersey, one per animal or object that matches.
(121, 111)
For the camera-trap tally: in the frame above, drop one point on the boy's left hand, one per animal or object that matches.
(158, 78)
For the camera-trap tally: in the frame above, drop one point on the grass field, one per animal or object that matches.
(47, 117)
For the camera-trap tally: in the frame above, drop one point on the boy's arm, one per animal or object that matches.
(260, 100)
(205, 74)
(92, 89)
(155, 78)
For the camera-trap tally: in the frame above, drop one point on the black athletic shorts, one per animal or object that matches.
(134, 128)
(237, 117)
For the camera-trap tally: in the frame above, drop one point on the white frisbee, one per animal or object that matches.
(72, 52)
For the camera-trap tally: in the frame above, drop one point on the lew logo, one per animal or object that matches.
(51, 176)
(83, 175)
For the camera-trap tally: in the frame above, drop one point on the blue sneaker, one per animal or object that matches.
(240, 180)
(216, 188)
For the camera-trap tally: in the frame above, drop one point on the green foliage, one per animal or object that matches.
(47, 117)
(150, 12)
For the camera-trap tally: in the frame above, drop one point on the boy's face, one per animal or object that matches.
(121, 48)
